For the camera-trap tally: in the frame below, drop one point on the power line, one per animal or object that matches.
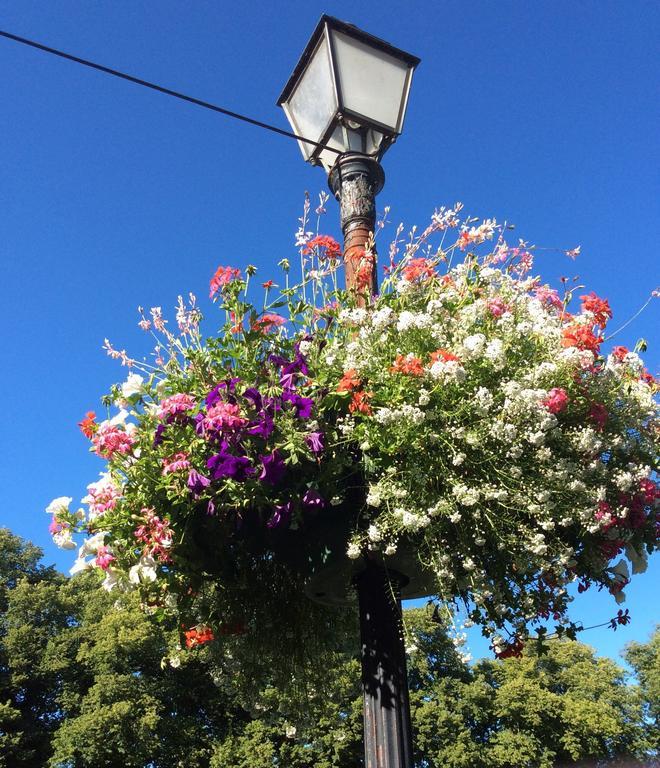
(162, 89)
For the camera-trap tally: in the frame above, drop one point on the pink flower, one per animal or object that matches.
(104, 557)
(222, 277)
(648, 490)
(156, 535)
(110, 439)
(223, 417)
(267, 322)
(176, 405)
(175, 463)
(497, 307)
(102, 496)
(556, 401)
(548, 296)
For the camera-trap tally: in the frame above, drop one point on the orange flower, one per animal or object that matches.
(349, 381)
(443, 354)
(88, 425)
(360, 403)
(408, 364)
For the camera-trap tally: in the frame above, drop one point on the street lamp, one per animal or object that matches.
(348, 96)
(348, 93)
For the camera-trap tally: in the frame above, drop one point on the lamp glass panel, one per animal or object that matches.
(372, 82)
(312, 104)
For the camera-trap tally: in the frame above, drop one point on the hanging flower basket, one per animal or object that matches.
(463, 427)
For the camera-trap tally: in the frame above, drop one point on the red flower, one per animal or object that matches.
(582, 337)
(620, 353)
(360, 403)
(88, 425)
(267, 284)
(222, 277)
(349, 381)
(418, 269)
(198, 636)
(557, 400)
(326, 247)
(444, 355)
(600, 308)
(364, 274)
(408, 364)
(267, 322)
(513, 649)
(598, 414)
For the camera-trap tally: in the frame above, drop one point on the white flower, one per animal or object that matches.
(390, 549)
(80, 565)
(59, 505)
(90, 546)
(63, 539)
(494, 352)
(144, 570)
(304, 347)
(639, 562)
(381, 318)
(353, 551)
(113, 578)
(474, 346)
(406, 321)
(374, 533)
(290, 731)
(175, 662)
(447, 371)
(132, 385)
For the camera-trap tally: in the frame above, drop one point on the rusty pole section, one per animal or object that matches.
(355, 180)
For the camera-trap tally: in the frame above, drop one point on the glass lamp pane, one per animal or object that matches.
(312, 105)
(372, 82)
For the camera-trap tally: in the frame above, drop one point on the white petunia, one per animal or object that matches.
(132, 386)
(59, 505)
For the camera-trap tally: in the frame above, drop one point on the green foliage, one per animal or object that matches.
(644, 658)
(87, 684)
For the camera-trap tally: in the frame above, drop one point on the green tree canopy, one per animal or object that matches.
(86, 683)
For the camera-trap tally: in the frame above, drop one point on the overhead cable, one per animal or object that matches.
(161, 89)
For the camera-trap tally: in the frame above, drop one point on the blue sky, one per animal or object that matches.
(112, 196)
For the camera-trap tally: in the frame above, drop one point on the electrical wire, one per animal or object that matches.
(162, 89)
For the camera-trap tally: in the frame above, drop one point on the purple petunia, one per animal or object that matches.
(262, 428)
(312, 501)
(273, 468)
(303, 405)
(315, 441)
(158, 435)
(281, 515)
(253, 396)
(225, 464)
(197, 482)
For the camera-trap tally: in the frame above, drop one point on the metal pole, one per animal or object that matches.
(387, 731)
(355, 180)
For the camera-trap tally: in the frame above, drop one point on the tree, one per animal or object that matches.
(644, 658)
(87, 684)
(27, 718)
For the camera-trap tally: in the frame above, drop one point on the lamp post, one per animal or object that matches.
(348, 94)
